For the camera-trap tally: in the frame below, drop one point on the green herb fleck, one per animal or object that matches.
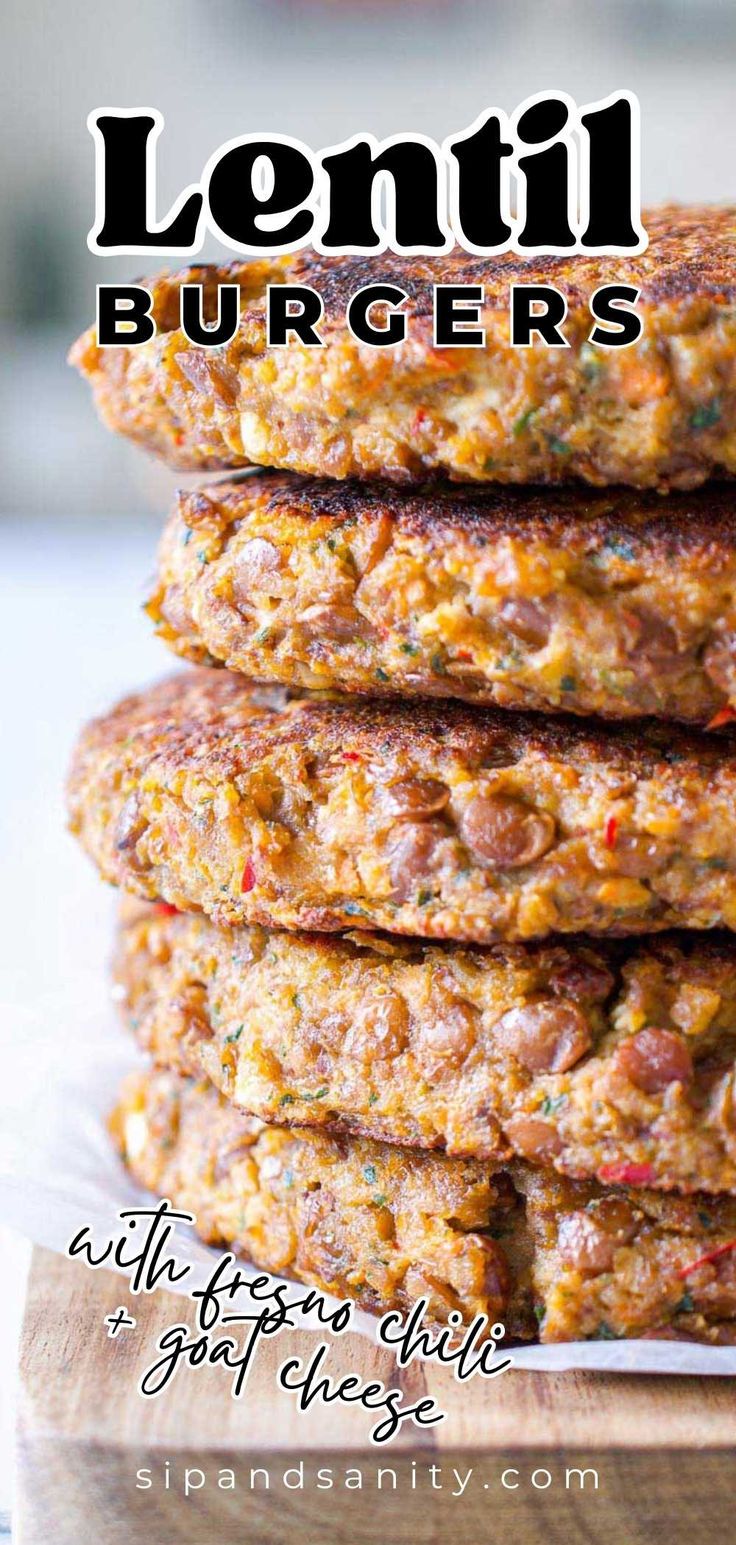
(591, 362)
(568, 684)
(262, 634)
(286, 1099)
(506, 661)
(234, 1036)
(380, 1201)
(331, 543)
(705, 1219)
(353, 910)
(296, 1001)
(558, 447)
(540, 1313)
(382, 675)
(369, 1171)
(373, 1099)
(685, 1305)
(523, 422)
(706, 415)
(438, 665)
(203, 556)
(187, 537)
(604, 1333)
(424, 898)
(552, 1103)
(410, 649)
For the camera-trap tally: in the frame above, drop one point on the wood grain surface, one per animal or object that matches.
(662, 1447)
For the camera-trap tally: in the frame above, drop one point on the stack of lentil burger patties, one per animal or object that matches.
(435, 847)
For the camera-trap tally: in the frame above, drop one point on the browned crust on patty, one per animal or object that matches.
(578, 519)
(445, 822)
(690, 254)
(616, 603)
(305, 1205)
(661, 413)
(598, 1059)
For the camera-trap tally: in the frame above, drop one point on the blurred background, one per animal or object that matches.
(316, 69)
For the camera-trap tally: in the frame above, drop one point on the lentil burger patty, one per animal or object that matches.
(442, 821)
(386, 1226)
(602, 1060)
(378, 1224)
(613, 603)
(659, 413)
(610, 1060)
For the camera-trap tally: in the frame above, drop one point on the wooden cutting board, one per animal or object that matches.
(662, 1447)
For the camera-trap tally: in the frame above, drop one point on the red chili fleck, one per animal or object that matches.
(419, 418)
(179, 437)
(165, 909)
(611, 830)
(463, 654)
(724, 716)
(350, 756)
(249, 877)
(705, 1260)
(627, 1174)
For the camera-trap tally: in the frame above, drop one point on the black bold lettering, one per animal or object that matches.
(197, 326)
(455, 306)
(255, 192)
(359, 322)
(123, 315)
(607, 305)
(126, 189)
(356, 173)
(292, 309)
(525, 320)
(478, 203)
(547, 174)
(610, 164)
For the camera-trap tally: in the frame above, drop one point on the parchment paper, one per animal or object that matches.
(58, 1170)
